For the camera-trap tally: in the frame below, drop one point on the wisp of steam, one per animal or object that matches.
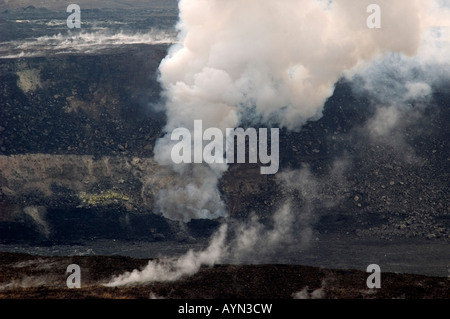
(80, 43)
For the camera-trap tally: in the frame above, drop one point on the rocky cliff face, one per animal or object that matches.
(66, 198)
(96, 105)
(76, 139)
(76, 143)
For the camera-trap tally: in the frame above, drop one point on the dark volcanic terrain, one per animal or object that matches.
(25, 276)
(77, 138)
(78, 177)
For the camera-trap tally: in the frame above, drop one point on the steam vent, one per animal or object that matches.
(86, 175)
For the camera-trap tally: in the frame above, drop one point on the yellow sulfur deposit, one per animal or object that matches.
(102, 199)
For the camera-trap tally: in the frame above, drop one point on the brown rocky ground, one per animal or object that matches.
(35, 277)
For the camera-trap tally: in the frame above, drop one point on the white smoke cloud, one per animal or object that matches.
(273, 61)
(195, 196)
(280, 61)
(396, 78)
(254, 241)
(282, 58)
(400, 86)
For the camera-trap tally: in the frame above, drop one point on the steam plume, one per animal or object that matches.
(251, 240)
(171, 269)
(278, 61)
